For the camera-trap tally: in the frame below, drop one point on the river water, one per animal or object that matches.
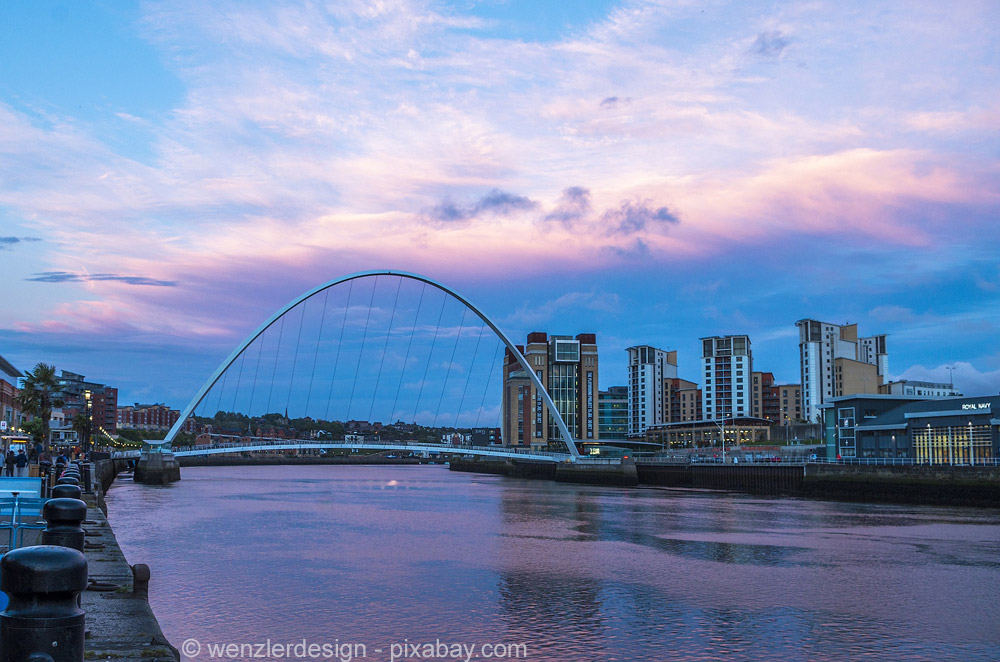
(368, 560)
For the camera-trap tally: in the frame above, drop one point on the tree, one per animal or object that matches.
(81, 425)
(37, 396)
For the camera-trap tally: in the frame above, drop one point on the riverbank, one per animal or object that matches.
(931, 485)
(279, 459)
(120, 623)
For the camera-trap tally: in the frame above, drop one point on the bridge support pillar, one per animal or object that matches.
(156, 466)
(622, 474)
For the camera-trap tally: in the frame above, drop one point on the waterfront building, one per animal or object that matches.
(766, 398)
(727, 364)
(790, 403)
(568, 368)
(684, 400)
(926, 430)
(701, 433)
(10, 411)
(833, 362)
(75, 391)
(649, 369)
(612, 413)
(150, 417)
(910, 387)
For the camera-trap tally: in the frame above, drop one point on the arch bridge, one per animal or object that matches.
(158, 453)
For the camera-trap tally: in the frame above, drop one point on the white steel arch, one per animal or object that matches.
(560, 423)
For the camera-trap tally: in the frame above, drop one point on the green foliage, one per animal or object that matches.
(37, 396)
(35, 428)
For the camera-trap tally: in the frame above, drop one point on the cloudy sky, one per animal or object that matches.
(652, 172)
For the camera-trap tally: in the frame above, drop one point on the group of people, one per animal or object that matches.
(15, 465)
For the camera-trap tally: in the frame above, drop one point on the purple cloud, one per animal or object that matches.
(496, 202)
(68, 277)
(633, 217)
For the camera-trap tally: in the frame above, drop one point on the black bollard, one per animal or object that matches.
(63, 517)
(67, 492)
(140, 581)
(68, 480)
(43, 620)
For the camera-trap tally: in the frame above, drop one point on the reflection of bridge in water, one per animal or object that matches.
(324, 360)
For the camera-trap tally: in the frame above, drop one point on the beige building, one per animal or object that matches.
(855, 377)
(790, 403)
(568, 368)
(684, 398)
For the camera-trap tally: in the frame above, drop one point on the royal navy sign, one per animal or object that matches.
(976, 406)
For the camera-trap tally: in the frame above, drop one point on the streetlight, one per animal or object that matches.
(723, 429)
(89, 407)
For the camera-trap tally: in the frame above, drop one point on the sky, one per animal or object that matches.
(651, 172)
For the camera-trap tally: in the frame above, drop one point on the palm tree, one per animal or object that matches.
(81, 425)
(37, 395)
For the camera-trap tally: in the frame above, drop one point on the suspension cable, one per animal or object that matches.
(406, 359)
(468, 377)
(274, 370)
(489, 380)
(253, 388)
(336, 361)
(361, 352)
(295, 355)
(385, 347)
(437, 327)
(451, 362)
(239, 379)
(319, 341)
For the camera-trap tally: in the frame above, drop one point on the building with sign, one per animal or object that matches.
(567, 366)
(926, 430)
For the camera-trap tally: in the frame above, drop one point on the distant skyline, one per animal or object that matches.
(653, 172)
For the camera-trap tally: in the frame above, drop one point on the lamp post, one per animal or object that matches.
(722, 428)
(90, 416)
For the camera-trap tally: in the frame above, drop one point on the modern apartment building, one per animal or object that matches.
(74, 391)
(684, 400)
(612, 413)
(790, 403)
(649, 369)
(834, 361)
(567, 366)
(766, 399)
(150, 417)
(727, 365)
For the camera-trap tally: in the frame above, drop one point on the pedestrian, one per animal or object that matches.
(21, 463)
(8, 462)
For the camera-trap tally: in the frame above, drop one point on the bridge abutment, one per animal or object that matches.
(156, 467)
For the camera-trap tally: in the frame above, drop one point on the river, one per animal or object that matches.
(368, 560)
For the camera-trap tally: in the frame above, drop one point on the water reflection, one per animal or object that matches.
(378, 554)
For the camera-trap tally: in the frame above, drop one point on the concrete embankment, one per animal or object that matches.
(120, 622)
(619, 474)
(941, 485)
(937, 485)
(239, 460)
